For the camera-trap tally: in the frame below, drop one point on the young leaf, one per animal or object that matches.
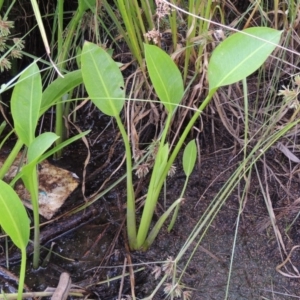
(49, 153)
(165, 77)
(26, 102)
(40, 145)
(58, 88)
(103, 79)
(240, 55)
(13, 217)
(189, 157)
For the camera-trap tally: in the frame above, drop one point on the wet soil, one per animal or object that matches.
(94, 251)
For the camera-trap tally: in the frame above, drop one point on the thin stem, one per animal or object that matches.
(131, 220)
(62, 58)
(11, 158)
(33, 189)
(22, 273)
(59, 127)
(245, 91)
(153, 190)
(175, 214)
(156, 183)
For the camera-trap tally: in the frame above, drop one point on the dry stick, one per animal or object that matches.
(122, 279)
(7, 275)
(60, 228)
(251, 15)
(85, 141)
(112, 245)
(284, 263)
(107, 162)
(128, 256)
(108, 179)
(64, 285)
(73, 292)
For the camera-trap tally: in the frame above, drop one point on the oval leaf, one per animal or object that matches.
(26, 102)
(13, 217)
(189, 157)
(165, 77)
(40, 145)
(58, 88)
(103, 79)
(240, 55)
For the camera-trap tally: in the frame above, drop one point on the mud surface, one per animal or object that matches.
(94, 253)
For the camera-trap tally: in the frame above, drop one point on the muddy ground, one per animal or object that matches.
(95, 251)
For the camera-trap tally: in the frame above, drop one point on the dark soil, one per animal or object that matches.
(94, 252)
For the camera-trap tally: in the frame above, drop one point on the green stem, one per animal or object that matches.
(245, 92)
(174, 217)
(131, 220)
(154, 190)
(31, 183)
(59, 127)
(11, 158)
(154, 232)
(22, 273)
(62, 59)
(186, 132)
(152, 195)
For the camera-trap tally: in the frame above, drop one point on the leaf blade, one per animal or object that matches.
(26, 102)
(240, 55)
(13, 217)
(165, 77)
(40, 145)
(103, 79)
(58, 88)
(189, 157)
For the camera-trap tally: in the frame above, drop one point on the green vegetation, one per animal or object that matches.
(168, 71)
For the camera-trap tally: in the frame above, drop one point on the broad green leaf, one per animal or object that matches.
(103, 79)
(13, 216)
(40, 145)
(58, 88)
(240, 55)
(189, 157)
(26, 102)
(165, 77)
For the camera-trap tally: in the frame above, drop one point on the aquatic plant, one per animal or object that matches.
(230, 62)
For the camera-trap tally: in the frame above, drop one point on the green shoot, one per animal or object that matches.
(230, 62)
(105, 85)
(188, 161)
(15, 222)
